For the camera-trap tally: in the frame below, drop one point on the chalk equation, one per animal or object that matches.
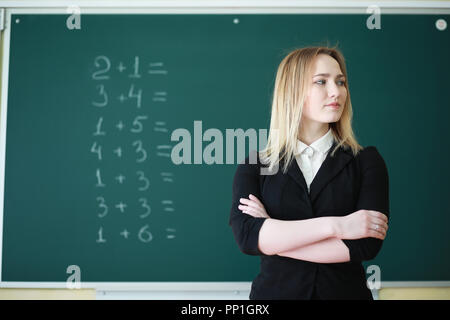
(107, 76)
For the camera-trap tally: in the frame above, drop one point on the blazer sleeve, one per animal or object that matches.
(245, 227)
(373, 195)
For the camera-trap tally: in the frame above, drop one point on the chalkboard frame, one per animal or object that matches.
(245, 7)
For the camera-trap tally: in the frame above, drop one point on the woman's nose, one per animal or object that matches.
(333, 90)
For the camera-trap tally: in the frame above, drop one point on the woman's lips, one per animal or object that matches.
(333, 106)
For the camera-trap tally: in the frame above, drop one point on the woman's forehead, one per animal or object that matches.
(325, 65)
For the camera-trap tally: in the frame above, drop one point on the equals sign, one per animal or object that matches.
(167, 176)
(160, 126)
(168, 205)
(163, 147)
(154, 65)
(160, 96)
(171, 231)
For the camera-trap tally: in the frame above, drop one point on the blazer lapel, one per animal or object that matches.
(327, 171)
(295, 173)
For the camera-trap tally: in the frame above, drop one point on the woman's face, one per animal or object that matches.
(327, 86)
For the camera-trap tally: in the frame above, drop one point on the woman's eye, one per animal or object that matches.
(342, 83)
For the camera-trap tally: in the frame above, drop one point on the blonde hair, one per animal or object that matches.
(292, 82)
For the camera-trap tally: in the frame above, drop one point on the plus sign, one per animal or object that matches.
(120, 126)
(120, 178)
(121, 67)
(121, 206)
(125, 233)
(122, 98)
(118, 151)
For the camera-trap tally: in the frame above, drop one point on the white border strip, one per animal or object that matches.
(137, 286)
(191, 286)
(414, 284)
(3, 115)
(239, 10)
(223, 4)
(190, 290)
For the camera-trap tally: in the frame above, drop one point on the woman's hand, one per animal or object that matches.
(362, 224)
(253, 207)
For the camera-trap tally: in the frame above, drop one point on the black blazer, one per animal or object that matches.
(344, 184)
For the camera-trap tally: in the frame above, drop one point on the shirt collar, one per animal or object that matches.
(323, 144)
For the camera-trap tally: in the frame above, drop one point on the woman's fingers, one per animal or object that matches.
(377, 234)
(254, 201)
(255, 212)
(378, 230)
(250, 203)
(252, 197)
(378, 215)
(380, 223)
(253, 206)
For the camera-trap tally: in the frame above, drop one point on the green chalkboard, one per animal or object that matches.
(89, 180)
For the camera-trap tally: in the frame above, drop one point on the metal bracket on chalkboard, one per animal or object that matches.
(2, 19)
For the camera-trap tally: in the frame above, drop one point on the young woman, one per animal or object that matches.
(314, 204)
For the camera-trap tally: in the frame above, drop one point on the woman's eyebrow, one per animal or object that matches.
(327, 75)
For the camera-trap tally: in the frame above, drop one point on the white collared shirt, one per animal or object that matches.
(310, 158)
